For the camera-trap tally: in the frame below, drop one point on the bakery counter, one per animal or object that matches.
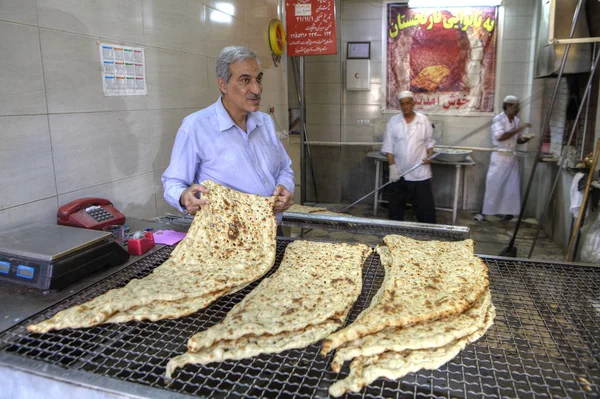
(544, 343)
(19, 302)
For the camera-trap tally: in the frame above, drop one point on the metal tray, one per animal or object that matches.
(545, 343)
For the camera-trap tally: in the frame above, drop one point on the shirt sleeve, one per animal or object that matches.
(429, 140)
(180, 173)
(388, 145)
(286, 174)
(497, 129)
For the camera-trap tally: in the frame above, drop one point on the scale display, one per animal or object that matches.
(52, 256)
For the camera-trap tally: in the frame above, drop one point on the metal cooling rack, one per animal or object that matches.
(381, 227)
(545, 343)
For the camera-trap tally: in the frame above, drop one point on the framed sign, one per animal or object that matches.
(358, 50)
(445, 55)
(310, 26)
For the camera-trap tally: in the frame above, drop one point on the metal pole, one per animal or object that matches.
(563, 157)
(509, 250)
(587, 107)
(300, 91)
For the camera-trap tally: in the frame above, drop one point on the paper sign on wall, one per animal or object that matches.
(123, 70)
(310, 26)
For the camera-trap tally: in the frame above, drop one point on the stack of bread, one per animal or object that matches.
(306, 299)
(433, 302)
(230, 244)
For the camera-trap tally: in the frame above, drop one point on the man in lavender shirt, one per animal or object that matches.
(230, 142)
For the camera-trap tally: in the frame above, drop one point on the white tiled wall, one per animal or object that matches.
(63, 139)
(333, 112)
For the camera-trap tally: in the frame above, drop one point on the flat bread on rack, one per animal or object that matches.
(433, 301)
(426, 280)
(307, 298)
(394, 365)
(230, 244)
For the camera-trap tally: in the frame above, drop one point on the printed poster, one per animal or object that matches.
(310, 26)
(446, 56)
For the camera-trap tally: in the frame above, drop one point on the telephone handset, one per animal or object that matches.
(89, 213)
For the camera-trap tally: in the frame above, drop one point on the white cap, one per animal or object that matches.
(511, 100)
(405, 94)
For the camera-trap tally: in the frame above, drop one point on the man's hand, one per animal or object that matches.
(189, 198)
(394, 174)
(285, 199)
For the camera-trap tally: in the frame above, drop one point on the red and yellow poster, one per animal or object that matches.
(310, 26)
(447, 57)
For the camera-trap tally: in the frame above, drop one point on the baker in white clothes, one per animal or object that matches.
(502, 185)
(408, 140)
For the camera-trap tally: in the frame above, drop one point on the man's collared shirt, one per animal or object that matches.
(210, 146)
(408, 143)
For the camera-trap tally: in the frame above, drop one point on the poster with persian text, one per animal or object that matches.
(310, 26)
(447, 57)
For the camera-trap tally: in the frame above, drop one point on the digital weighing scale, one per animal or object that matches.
(49, 256)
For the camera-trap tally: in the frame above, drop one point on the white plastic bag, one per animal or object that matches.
(590, 241)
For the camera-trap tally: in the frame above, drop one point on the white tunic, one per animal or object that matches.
(502, 185)
(408, 143)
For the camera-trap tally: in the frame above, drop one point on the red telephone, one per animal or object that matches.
(89, 213)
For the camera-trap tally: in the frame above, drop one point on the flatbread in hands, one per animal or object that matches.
(307, 298)
(426, 280)
(231, 243)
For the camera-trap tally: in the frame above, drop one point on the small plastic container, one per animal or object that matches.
(139, 246)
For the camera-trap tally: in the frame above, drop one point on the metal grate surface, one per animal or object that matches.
(545, 343)
(379, 227)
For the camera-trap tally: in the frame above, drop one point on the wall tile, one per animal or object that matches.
(236, 8)
(176, 80)
(261, 9)
(25, 160)
(325, 72)
(42, 211)
(164, 124)
(361, 133)
(133, 196)
(162, 206)
(323, 93)
(21, 76)
(374, 96)
(73, 76)
(362, 31)
(326, 161)
(351, 113)
(257, 38)
(20, 11)
(111, 19)
(322, 114)
(362, 10)
(93, 149)
(223, 30)
(324, 132)
(179, 25)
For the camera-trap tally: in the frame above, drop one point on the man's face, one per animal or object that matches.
(406, 105)
(513, 109)
(243, 90)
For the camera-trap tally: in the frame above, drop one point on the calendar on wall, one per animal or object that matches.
(123, 70)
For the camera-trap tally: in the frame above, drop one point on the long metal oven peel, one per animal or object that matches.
(545, 343)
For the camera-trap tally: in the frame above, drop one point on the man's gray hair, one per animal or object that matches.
(231, 55)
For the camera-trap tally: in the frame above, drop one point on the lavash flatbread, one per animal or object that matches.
(427, 280)
(308, 297)
(433, 334)
(394, 365)
(230, 243)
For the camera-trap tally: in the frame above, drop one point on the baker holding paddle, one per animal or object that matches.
(230, 142)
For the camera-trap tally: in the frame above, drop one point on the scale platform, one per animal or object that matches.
(49, 256)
